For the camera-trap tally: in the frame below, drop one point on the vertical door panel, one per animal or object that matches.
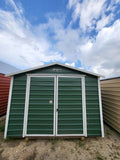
(70, 115)
(41, 106)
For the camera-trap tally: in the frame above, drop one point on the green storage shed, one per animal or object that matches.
(54, 100)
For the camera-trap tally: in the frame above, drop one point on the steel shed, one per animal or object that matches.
(54, 100)
(110, 89)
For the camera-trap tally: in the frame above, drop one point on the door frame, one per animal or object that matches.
(55, 119)
(27, 106)
(83, 105)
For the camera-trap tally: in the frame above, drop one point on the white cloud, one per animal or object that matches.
(105, 20)
(104, 54)
(92, 13)
(113, 5)
(70, 64)
(71, 3)
(18, 9)
(19, 45)
(88, 11)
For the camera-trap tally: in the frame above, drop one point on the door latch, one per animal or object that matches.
(50, 101)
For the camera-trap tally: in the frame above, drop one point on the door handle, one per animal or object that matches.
(57, 110)
(50, 101)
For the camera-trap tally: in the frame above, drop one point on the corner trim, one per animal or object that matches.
(84, 107)
(8, 107)
(100, 105)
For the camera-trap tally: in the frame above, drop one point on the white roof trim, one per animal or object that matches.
(51, 64)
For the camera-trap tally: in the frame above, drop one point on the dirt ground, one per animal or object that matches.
(91, 148)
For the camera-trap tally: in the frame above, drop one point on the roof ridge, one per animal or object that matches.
(51, 64)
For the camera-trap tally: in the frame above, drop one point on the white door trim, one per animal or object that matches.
(27, 107)
(83, 105)
(55, 122)
(56, 107)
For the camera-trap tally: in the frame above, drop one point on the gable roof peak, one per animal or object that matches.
(51, 64)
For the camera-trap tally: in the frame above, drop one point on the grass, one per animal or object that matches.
(99, 158)
(80, 143)
(1, 151)
(2, 128)
(53, 143)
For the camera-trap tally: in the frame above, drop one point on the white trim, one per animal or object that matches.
(84, 107)
(51, 64)
(71, 76)
(39, 135)
(54, 75)
(41, 75)
(100, 105)
(44, 135)
(56, 105)
(27, 107)
(54, 121)
(70, 135)
(8, 107)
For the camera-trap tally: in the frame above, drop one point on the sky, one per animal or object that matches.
(81, 33)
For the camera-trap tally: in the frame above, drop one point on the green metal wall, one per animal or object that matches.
(15, 125)
(41, 111)
(16, 118)
(92, 106)
(70, 118)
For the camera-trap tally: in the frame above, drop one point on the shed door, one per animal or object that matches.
(41, 106)
(70, 110)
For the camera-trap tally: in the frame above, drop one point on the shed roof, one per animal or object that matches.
(109, 78)
(7, 69)
(51, 64)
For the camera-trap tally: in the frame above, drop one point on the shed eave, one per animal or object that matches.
(51, 64)
(109, 78)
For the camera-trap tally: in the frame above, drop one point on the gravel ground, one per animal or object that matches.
(91, 148)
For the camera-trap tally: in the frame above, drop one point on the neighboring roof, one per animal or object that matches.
(6, 68)
(51, 64)
(110, 78)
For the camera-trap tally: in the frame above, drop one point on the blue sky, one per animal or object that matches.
(81, 33)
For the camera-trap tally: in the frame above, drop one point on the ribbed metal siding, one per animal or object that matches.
(110, 90)
(92, 106)
(70, 118)
(41, 106)
(92, 101)
(15, 123)
(4, 91)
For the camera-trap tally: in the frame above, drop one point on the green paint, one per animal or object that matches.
(70, 107)
(41, 108)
